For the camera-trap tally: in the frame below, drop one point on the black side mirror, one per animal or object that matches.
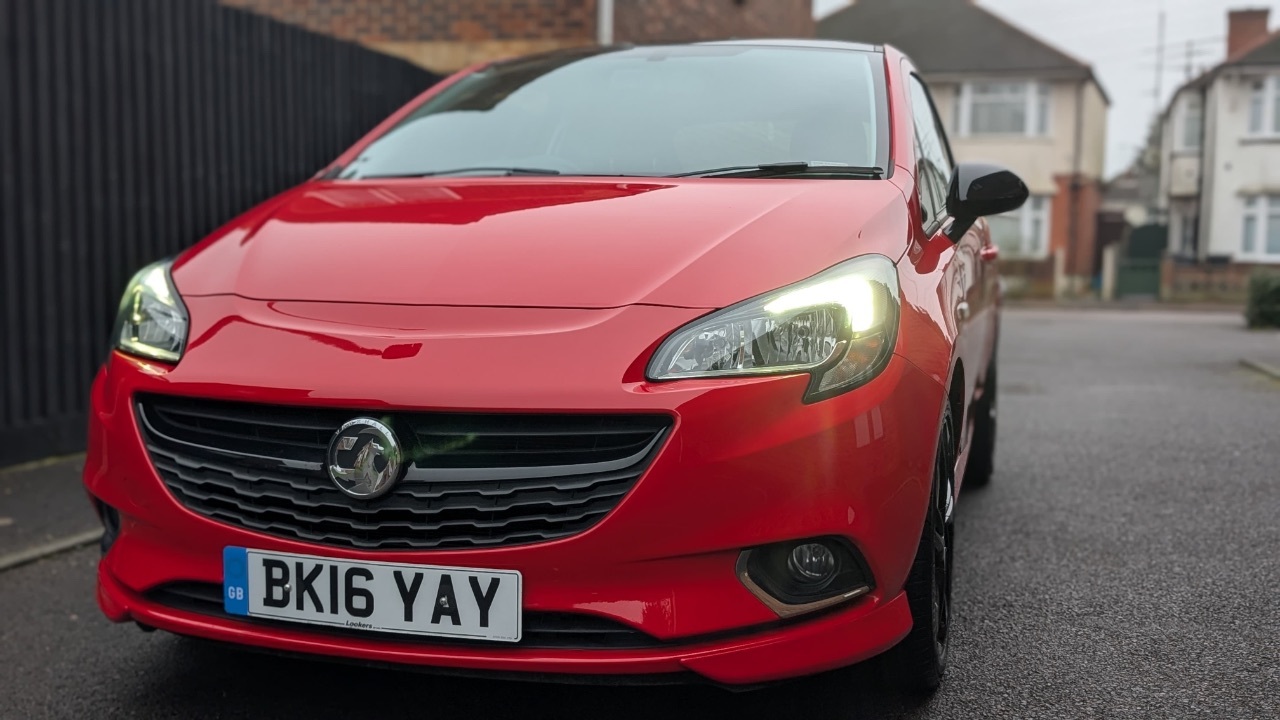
(978, 190)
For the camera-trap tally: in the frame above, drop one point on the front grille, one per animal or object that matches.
(476, 480)
(540, 629)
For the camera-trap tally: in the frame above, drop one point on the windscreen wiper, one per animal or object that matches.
(501, 171)
(782, 169)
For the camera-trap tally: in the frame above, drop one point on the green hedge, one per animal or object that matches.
(1263, 308)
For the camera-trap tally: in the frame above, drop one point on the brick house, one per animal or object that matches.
(1010, 98)
(445, 35)
(1219, 184)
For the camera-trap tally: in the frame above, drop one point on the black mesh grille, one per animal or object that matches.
(476, 480)
(540, 629)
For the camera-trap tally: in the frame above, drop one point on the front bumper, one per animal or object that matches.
(746, 464)
(831, 641)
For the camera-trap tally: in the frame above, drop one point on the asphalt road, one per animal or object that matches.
(1124, 563)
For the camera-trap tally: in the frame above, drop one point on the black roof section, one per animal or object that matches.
(952, 37)
(823, 44)
(1267, 53)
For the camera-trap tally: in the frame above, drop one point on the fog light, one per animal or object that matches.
(812, 563)
(801, 576)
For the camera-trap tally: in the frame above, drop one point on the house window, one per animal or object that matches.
(1003, 108)
(1192, 122)
(1260, 236)
(1023, 233)
(1264, 106)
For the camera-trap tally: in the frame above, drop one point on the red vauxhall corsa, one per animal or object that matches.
(653, 363)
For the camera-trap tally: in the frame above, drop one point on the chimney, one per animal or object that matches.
(1246, 29)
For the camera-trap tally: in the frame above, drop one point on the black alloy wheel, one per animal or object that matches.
(920, 660)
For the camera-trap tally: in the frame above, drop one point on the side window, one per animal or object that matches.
(933, 166)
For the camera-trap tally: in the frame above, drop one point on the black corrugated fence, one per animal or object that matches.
(128, 130)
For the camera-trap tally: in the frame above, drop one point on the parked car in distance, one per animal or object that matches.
(657, 362)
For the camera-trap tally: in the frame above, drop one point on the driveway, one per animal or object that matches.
(1125, 562)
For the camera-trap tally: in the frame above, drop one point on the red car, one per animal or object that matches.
(654, 363)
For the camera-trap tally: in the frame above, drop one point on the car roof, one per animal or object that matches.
(791, 42)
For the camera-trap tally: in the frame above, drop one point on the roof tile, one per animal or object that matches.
(949, 36)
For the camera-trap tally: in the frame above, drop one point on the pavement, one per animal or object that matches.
(1124, 563)
(40, 504)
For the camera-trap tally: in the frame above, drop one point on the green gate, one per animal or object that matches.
(1138, 268)
(1140, 277)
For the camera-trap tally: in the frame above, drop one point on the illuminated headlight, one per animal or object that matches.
(839, 326)
(152, 321)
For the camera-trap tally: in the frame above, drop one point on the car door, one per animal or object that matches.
(963, 290)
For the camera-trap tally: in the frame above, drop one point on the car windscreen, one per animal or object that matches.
(654, 111)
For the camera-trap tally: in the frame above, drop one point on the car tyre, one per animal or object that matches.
(982, 451)
(918, 663)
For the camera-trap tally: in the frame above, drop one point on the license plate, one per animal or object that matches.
(376, 596)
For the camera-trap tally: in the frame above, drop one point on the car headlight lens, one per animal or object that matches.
(152, 321)
(839, 326)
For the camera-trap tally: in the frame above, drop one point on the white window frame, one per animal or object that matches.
(1262, 118)
(1257, 213)
(1037, 95)
(1035, 209)
(1191, 102)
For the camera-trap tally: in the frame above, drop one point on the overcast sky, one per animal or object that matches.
(1118, 37)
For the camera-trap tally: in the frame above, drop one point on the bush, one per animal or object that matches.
(1263, 306)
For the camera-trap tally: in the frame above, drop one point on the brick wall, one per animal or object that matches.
(1027, 278)
(651, 21)
(378, 21)
(445, 35)
(442, 35)
(1073, 224)
(1182, 281)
